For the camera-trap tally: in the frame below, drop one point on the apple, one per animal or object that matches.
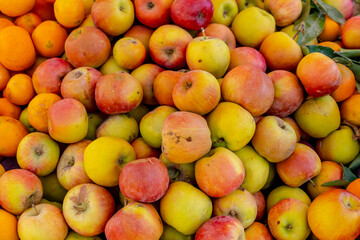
(220, 31)
(20, 189)
(240, 204)
(67, 121)
(163, 86)
(118, 93)
(335, 215)
(348, 113)
(284, 192)
(42, 221)
(219, 173)
(105, 157)
(250, 87)
(135, 221)
(221, 228)
(287, 220)
(75, 236)
(193, 18)
(94, 121)
(210, 54)
(256, 169)
(48, 75)
(224, 11)
(87, 208)
(153, 13)
(114, 17)
(289, 30)
(252, 25)
(246, 55)
(185, 207)
(350, 32)
(80, 84)
(345, 7)
(257, 231)
(56, 204)
(185, 137)
(70, 169)
(302, 165)
(110, 66)
(274, 139)
(318, 117)
(180, 172)
(38, 153)
(196, 86)
(146, 75)
(285, 12)
(139, 112)
(167, 46)
(52, 189)
(25, 121)
(171, 233)
(119, 125)
(129, 53)
(143, 150)
(261, 205)
(142, 33)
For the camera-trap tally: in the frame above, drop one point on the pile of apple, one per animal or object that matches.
(181, 119)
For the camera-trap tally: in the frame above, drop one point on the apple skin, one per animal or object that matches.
(339, 146)
(75, 236)
(180, 172)
(250, 87)
(285, 12)
(70, 169)
(105, 157)
(318, 117)
(224, 11)
(139, 112)
(194, 18)
(210, 54)
(302, 165)
(220, 31)
(330, 171)
(19, 190)
(67, 121)
(94, 121)
(135, 221)
(171, 233)
(283, 192)
(163, 86)
(289, 93)
(119, 125)
(143, 150)
(87, 47)
(110, 66)
(152, 123)
(153, 13)
(246, 55)
(185, 137)
(56, 204)
(240, 204)
(345, 7)
(167, 46)
(257, 231)
(252, 25)
(219, 173)
(25, 121)
(350, 32)
(256, 169)
(38, 153)
(129, 53)
(228, 115)
(114, 17)
(88, 205)
(40, 220)
(261, 205)
(221, 228)
(196, 86)
(271, 177)
(144, 180)
(47, 76)
(185, 207)
(340, 203)
(118, 93)
(142, 33)
(274, 139)
(287, 220)
(80, 84)
(52, 189)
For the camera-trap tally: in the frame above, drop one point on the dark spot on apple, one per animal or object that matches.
(169, 51)
(188, 85)
(78, 74)
(188, 139)
(170, 133)
(278, 222)
(150, 5)
(121, 8)
(49, 44)
(288, 226)
(199, 60)
(225, 13)
(121, 159)
(138, 92)
(90, 117)
(220, 140)
(71, 162)
(200, 15)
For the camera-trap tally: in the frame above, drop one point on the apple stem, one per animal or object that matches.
(356, 134)
(81, 207)
(125, 202)
(203, 32)
(312, 182)
(37, 212)
(300, 29)
(232, 213)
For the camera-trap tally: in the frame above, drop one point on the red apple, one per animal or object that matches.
(141, 33)
(261, 205)
(163, 86)
(153, 13)
(143, 150)
(246, 55)
(257, 231)
(222, 32)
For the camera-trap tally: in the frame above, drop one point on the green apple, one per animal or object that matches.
(24, 120)
(53, 191)
(179, 172)
(284, 192)
(256, 169)
(56, 204)
(242, 4)
(185, 207)
(170, 233)
(110, 66)
(224, 11)
(231, 126)
(94, 121)
(139, 112)
(271, 177)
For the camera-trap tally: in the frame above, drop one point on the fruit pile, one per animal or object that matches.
(179, 119)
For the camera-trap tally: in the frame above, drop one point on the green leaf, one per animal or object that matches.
(321, 49)
(332, 12)
(314, 25)
(304, 14)
(348, 174)
(336, 183)
(350, 53)
(355, 163)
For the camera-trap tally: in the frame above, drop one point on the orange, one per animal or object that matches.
(9, 109)
(5, 23)
(28, 22)
(19, 89)
(332, 45)
(354, 187)
(14, 8)
(350, 110)
(37, 110)
(88, 5)
(347, 85)
(69, 13)
(17, 51)
(4, 77)
(331, 31)
(49, 39)
(8, 226)
(11, 133)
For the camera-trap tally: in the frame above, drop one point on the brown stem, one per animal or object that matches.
(312, 182)
(300, 29)
(356, 134)
(232, 213)
(37, 212)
